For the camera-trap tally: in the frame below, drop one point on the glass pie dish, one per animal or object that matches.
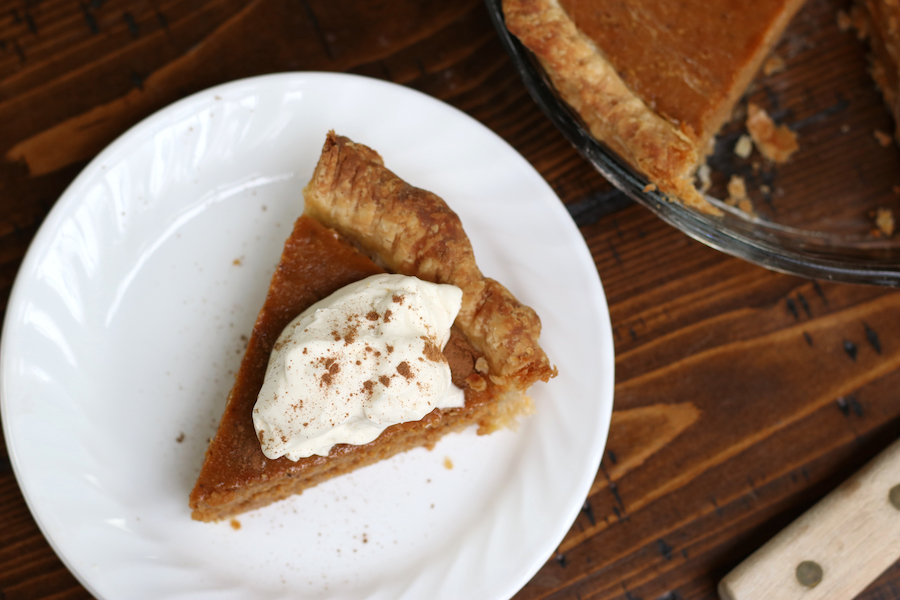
(814, 216)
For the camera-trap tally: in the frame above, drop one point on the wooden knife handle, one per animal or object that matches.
(836, 548)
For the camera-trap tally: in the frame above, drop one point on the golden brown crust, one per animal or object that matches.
(613, 113)
(879, 21)
(413, 232)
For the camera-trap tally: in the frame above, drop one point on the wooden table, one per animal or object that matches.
(742, 395)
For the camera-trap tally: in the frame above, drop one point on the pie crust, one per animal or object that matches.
(653, 80)
(882, 28)
(361, 219)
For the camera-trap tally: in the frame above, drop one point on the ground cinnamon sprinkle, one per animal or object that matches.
(431, 351)
(404, 370)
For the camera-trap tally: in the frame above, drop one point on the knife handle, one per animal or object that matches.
(833, 550)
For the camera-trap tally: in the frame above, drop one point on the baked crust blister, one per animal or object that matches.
(414, 232)
(613, 113)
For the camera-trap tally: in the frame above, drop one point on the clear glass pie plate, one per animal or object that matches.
(814, 215)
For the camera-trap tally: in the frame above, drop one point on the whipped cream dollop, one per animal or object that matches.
(351, 365)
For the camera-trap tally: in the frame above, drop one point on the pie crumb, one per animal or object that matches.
(737, 187)
(884, 221)
(746, 205)
(448, 464)
(476, 382)
(737, 195)
(744, 146)
(853, 20)
(650, 187)
(774, 64)
(235, 524)
(776, 143)
(844, 22)
(884, 139)
(704, 177)
(481, 365)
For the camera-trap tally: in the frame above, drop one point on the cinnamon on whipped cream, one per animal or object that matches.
(353, 364)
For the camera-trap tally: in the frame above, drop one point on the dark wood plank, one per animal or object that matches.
(742, 395)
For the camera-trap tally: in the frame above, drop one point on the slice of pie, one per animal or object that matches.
(654, 80)
(360, 219)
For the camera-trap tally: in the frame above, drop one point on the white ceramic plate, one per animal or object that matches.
(127, 322)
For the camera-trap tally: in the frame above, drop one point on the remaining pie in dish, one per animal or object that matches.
(652, 79)
(360, 219)
(882, 27)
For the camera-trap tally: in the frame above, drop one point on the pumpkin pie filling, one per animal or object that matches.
(652, 80)
(688, 61)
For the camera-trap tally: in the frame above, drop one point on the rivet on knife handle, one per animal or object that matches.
(809, 573)
(835, 549)
(894, 496)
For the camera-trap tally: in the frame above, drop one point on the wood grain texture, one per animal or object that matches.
(743, 396)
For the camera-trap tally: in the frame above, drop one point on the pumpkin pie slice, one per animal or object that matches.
(654, 80)
(359, 220)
